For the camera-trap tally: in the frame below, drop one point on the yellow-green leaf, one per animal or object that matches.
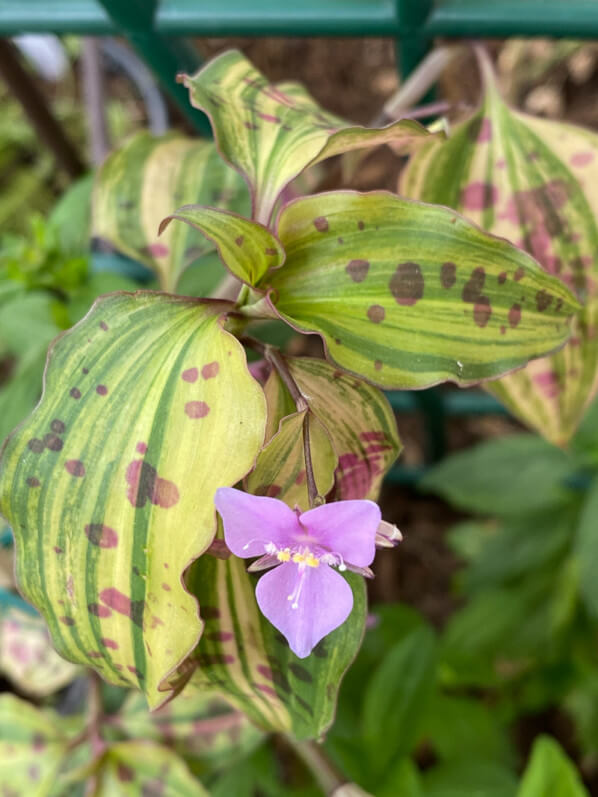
(535, 182)
(356, 416)
(109, 485)
(249, 662)
(32, 749)
(246, 248)
(280, 467)
(271, 133)
(131, 769)
(197, 726)
(27, 657)
(408, 295)
(146, 180)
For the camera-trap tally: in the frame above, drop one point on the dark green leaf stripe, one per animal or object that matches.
(408, 295)
(146, 180)
(534, 182)
(246, 248)
(107, 511)
(245, 658)
(271, 133)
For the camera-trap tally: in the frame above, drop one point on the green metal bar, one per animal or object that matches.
(571, 18)
(452, 18)
(412, 46)
(166, 57)
(455, 402)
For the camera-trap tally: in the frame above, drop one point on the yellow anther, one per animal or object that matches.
(298, 558)
(312, 561)
(283, 556)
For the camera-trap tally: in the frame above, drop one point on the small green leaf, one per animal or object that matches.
(130, 769)
(271, 133)
(407, 295)
(461, 728)
(280, 467)
(534, 182)
(483, 479)
(246, 248)
(27, 657)
(586, 550)
(356, 416)
(32, 748)
(245, 659)
(470, 776)
(109, 485)
(146, 180)
(396, 697)
(549, 771)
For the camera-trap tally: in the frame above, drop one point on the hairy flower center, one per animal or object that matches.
(303, 556)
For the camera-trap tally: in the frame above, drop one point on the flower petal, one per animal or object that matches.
(346, 527)
(252, 521)
(324, 602)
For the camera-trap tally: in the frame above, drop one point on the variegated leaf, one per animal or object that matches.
(271, 133)
(130, 769)
(109, 484)
(249, 662)
(32, 748)
(280, 467)
(246, 248)
(146, 180)
(533, 181)
(408, 295)
(27, 657)
(356, 415)
(197, 726)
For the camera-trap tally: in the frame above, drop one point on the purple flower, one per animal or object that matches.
(302, 596)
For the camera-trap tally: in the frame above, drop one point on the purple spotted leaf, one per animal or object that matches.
(147, 179)
(408, 295)
(27, 658)
(202, 728)
(535, 182)
(356, 416)
(280, 467)
(109, 484)
(246, 248)
(244, 658)
(133, 768)
(272, 133)
(33, 747)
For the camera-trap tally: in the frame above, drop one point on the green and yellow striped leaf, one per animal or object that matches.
(131, 769)
(246, 248)
(271, 133)
(146, 180)
(408, 295)
(32, 749)
(280, 467)
(109, 484)
(27, 658)
(249, 662)
(356, 416)
(200, 727)
(535, 182)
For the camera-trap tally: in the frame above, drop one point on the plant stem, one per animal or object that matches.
(275, 358)
(95, 714)
(313, 756)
